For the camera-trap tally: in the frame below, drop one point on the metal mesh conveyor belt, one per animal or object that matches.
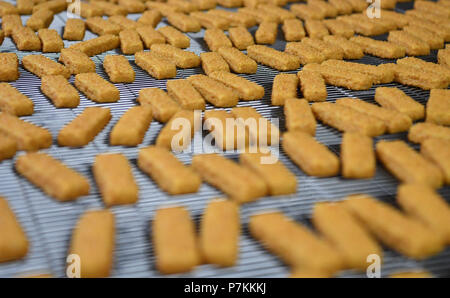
(49, 223)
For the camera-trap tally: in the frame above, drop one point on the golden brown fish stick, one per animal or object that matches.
(413, 45)
(41, 66)
(167, 171)
(424, 130)
(163, 8)
(432, 8)
(329, 50)
(420, 64)
(328, 9)
(307, 12)
(174, 240)
(298, 116)
(222, 248)
(213, 61)
(175, 37)
(433, 40)
(247, 90)
(282, 13)
(238, 61)
(150, 36)
(266, 33)
(85, 127)
(235, 18)
(419, 77)
(133, 6)
(25, 39)
(182, 59)
(241, 184)
(131, 127)
(41, 18)
(351, 49)
(8, 147)
(279, 179)
(294, 244)
(408, 165)
(93, 240)
(96, 88)
(101, 26)
(13, 240)
(216, 38)
(25, 6)
(10, 22)
(183, 5)
(123, 22)
(444, 57)
(113, 175)
(155, 65)
(293, 30)
(339, 28)
(12, 101)
(130, 42)
(163, 106)
(183, 22)
(214, 91)
(110, 9)
(312, 85)
(210, 21)
(357, 156)
(88, 10)
(150, 17)
(304, 52)
(348, 120)
(315, 29)
(379, 75)
(314, 158)
(284, 86)
(343, 230)
(28, 136)
(76, 62)
(185, 94)
(118, 69)
(60, 91)
(52, 176)
(176, 135)
(51, 41)
(97, 45)
(343, 7)
(226, 136)
(363, 25)
(438, 107)
(395, 99)
(240, 37)
(438, 152)
(54, 5)
(379, 48)
(260, 15)
(273, 58)
(393, 228)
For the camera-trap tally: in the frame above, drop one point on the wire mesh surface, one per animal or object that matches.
(49, 223)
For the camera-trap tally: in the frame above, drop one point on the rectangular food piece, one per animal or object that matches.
(240, 37)
(29, 137)
(101, 26)
(40, 19)
(83, 129)
(52, 176)
(25, 39)
(351, 49)
(213, 61)
(393, 228)
(183, 22)
(156, 66)
(438, 107)
(306, 54)
(413, 45)
(236, 18)
(438, 152)
(43, 66)
(247, 90)
(163, 106)
(167, 171)
(279, 179)
(88, 10)
(214, 91)
(10, 22)
(330, 51)
(132, 6)
(97, 45)
(345, 119)
(51, 41)
(113, 175)
(379, 48)
(209, 21)
(298, 116)
(266, 33)
(150, 17)
(314, 158)
(228, 135)
(395, 99)
(293, 30)
(433, 40)
(407, 165)
(76, 61)
(220, 248)
(93, 240)
(238, 182)
(185, 94)
(130, 42)
(131, 127)
(181, 58)
(13, 240)
(150, 36)
(343, 230)
(275, 59)
(419, 77)
(60, 91)
(238, 61)
(118, 69)
(284, 86)
(176, 135)
(8, 147)
(378, 75)
(338, 28)
(294, 244)
(216, 38)
(174, 241)
(357, 156)
(56, 6)
(96, 88)
(110, 9)
(175, 37)
(312, 85)
(424, 130)
(12, 101)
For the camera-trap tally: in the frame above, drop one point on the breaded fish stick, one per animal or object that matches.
(60, 91)
(11, 22)
(419, 77)
(306, 12)
(175, 37)
(379, 75)
(247, 90)
(96, 88)
(238, 182)
(226, 136)
(425, 130)
(357, 156)
(414, 46)
(76, 61)
(260, 15)
(110, 9)
(273, 58)
(51, 41)
(175, 135)
(434, 41)
(240, 37)
(238, 61)
(312, 85)
(298, 116)
(150, 17)
(284, 86)
(74, 29)
(214, 91)
(41, 66)
(315, 29)
(314, 158)
(40, 19)
(118, 69)
(168, 172)
(13, 240)
(330, 51)
(408, 165)
(338, 28)
(52, 176)
(438, 107)
(266, 33)
(304, 52)
(293, 30)
(130, 42)
(12, 101)
(213, 61)
(25, 39)
(420, 64)
(183, 22)
(150, 36)
(155, 65)
(235, 18)
(101, 26)
(395, 99)
(185, 94)
(210, 21)
(351, 49)
(182, 59)
(216, 38)
(379, 48)
(131, 127)
(438, 152)
(97, 45)
(163, 106)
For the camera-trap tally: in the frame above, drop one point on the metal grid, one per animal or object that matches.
(49, 223)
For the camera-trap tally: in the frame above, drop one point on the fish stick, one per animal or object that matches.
(150, 36)
(284, 86)
(150, 17)
(51, 41)
(185, 94)
(266, 33)
(52, 176)
(176, 135)
(238, 61)
(240, 37)
(28, 136)
(110, 9)
(379, 48)
(351, 50)
(307, 12)
(174, 241)
(216, 38)
(11, 22)
(414, 46)
(363, 25)
(293, 30)
(247, 90)
(304, 52)
(235, 18)
(214, 91)
(315, 29)
(298, 116)
(88, 10)
(395, 99)
(76, 62)
(8, 147)
(131, 127)
(93, 240)
(348, 120)
(432, 8)
(330, 51)
(213, 61)
(167, 171)
(175, 37)
(163, 8)
(210, 21)
(434, 41)
(279, 179)
(419, 77)
(97, 45)
(40, 19)
(294, 244)
(425, 130)
(183, 22)
(25, 39)
(13, 240)
(438, 107)
(437, 151)
(339, 28)
(260, 15)
(357, 156)
(123, 22)
(407, 165)
(74, 29)
(444, 57)
(312, 85)
(379, 75)
(343, 7)
(41, 66)
(282, 13)
(118, 69)
(238, 182)
(56, 6)
(13, 102)
(205, 4)
(273, 58)
(60, 91)
(181, 58)
(183, 6)
(155, 66)
(163, 106)
(96, 88)
(346, 233)
(228, 134)
(85, 127)
(133, 6)
(394, 121)
(130, 42)
(327, 9)
(409, 237)
(101, 26)
(426, 66)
